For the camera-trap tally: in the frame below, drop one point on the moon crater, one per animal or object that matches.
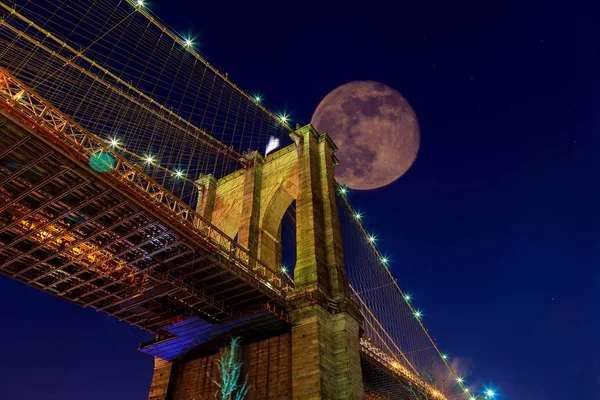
(375, 129)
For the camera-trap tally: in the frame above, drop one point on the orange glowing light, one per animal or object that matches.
(58, 239)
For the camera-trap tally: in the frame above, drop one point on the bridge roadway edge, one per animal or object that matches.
(32, 129)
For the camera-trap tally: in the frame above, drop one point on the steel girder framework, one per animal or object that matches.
(117, 241)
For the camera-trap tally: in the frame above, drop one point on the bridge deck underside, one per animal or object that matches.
(193, 336)
(66, 230)
(383, 383)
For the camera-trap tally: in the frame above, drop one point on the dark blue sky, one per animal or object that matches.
(495, 228)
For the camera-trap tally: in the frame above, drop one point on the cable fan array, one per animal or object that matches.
(392, 322)
(117, 71)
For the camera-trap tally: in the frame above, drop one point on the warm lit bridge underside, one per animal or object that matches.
(88, 238)
(82, 81)
(73, 233)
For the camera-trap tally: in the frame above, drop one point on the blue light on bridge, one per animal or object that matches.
(102, 162)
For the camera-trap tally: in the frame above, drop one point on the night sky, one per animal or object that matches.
(494, 230)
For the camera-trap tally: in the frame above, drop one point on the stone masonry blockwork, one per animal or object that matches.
(320, 357)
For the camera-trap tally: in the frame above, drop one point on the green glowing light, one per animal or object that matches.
(101, 162)
(343, 190)
(371, 239)
(188, 43)
(407, 297)
(140, 3)
(283, 118)
(357, 216)
(459, 379)
(257, 99)
(418, 314)
(444, 356)
(384, 260)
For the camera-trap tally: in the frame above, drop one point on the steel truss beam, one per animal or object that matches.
(43, 226)
(45, 204)
(14, 146)
(76, 243)
(20, 99)
(32, 189)
(25, 168)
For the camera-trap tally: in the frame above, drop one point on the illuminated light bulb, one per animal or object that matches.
(139, 3)
(384, 260)
(188, 43)
(283, 269)
(150, 160)
(490, 393)
(395, 365)
(343, 190)
(407, 297)
(444, 356)
(418, 314)
(283, 118)
(257, 99)
(436, 393)
(357, 216)
(371, 239)
(466, 390)
(472, 398)
(178, 174)
(459, 379)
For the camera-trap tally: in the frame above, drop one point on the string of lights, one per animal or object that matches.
(142, 7)
(370, 240)
(155, 100)
(120, 73)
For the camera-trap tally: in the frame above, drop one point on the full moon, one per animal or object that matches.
(375, 129)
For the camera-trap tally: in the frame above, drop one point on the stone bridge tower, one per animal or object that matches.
(319, 358)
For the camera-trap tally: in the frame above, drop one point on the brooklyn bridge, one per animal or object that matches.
(133, 181)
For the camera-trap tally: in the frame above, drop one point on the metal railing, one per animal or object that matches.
(83, 144)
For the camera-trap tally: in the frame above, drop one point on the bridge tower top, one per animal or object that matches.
(250, 204)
